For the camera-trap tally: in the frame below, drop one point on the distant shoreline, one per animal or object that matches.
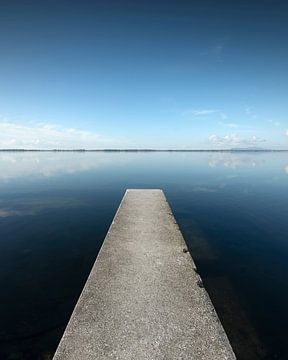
(141, 150)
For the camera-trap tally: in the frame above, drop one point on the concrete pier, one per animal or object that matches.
(143, 298)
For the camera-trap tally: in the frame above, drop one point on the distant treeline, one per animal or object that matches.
(141, 150)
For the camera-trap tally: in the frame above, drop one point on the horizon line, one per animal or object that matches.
(146, 150)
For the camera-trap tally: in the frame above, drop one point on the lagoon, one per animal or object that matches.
(55, 210)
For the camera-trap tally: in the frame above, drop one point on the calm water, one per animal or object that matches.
(55, 209)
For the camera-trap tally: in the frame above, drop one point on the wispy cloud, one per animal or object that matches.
(201, 112)
(229, 125)
(235, 140)
(215, 51)
(204, 112)
(47, 136)
(250, 111)
(274, 122)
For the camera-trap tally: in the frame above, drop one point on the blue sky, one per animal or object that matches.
(144, 74)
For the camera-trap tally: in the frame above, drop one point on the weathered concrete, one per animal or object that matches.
(143, 298)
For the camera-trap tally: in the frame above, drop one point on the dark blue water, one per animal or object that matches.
(55, 209)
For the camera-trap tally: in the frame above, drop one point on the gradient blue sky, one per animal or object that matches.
(135, 74)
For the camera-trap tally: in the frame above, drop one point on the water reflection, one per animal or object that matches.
(14, 165)
(203, 189)
(232, 160)
(55, 209)
(32, 207)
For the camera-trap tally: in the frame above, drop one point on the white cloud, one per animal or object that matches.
(46, 136)
(286, 132)
(235, 140)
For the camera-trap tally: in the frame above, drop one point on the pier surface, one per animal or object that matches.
(143, 298)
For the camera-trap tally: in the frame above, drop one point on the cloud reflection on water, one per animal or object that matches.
(49, 164)
(14, 165)
(232, 160)
(22, 206)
